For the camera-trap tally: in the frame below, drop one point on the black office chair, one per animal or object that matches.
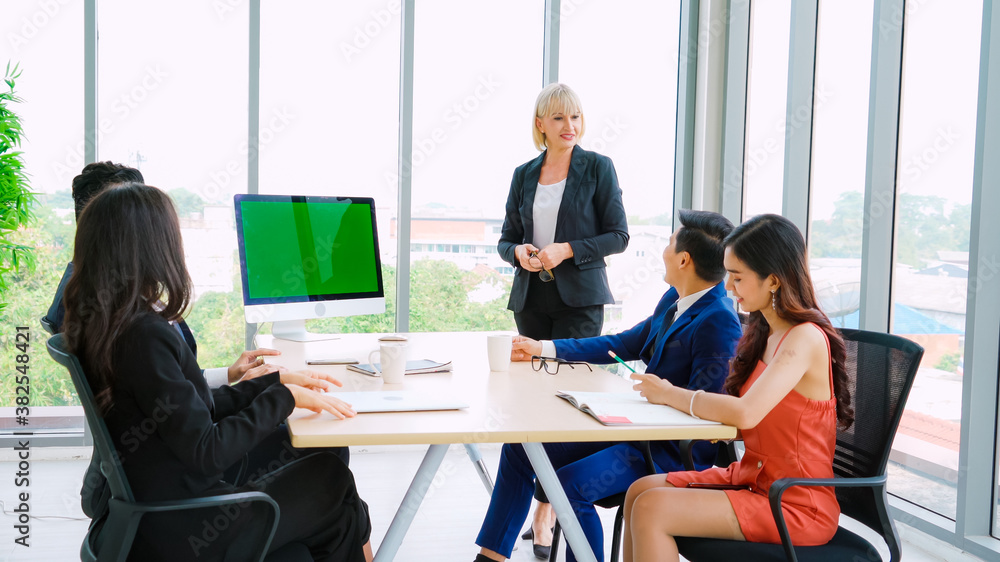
(616, 501)
(880, 368)
(48, 325)
(118, 529)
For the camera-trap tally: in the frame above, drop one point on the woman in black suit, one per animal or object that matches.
(173, 434)
(564, 216)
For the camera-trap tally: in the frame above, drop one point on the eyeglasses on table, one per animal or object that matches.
(552, 364)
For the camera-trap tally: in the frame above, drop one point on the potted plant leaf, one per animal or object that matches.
(15, 194)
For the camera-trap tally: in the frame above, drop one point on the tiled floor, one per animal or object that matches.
(443, 530)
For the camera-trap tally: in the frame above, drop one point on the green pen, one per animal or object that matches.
(619, 359)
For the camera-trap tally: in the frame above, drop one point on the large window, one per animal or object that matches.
(329, 117)
(39, 37)
(622, 60)
(767, 92)
(174, 105)
(937, 133)
(840, 134)
(471, 127)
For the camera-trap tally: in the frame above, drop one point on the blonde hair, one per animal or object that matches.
(556, 98)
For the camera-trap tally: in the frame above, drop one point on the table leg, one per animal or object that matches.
(477, 459)
(411, 503)
(560, 503)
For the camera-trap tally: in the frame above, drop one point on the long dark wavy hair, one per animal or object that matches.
(773, 245)
(128, 261)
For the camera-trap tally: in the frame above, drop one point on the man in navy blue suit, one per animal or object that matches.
(689, 340)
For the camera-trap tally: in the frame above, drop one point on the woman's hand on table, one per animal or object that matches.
(313, 380)
(652, 388)
(523, 348)
(312, 400)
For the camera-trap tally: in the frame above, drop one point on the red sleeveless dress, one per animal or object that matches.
(796, 439)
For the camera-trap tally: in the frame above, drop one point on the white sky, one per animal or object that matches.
(173, 83)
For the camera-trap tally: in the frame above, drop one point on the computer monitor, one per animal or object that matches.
(305, 257)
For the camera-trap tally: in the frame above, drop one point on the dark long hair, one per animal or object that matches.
(128, 261)
(772, 245)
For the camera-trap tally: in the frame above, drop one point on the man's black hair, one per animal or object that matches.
(701, 236)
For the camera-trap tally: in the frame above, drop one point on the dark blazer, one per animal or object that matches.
(174, 435)
(591, 218)
(94, 494)
(694, 352)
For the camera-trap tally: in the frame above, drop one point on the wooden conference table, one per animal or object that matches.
(519, 406)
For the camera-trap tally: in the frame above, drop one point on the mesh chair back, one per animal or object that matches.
(110, 465)
(880, 369)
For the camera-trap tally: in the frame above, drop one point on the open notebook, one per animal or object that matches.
(398, 401)
(627, 408)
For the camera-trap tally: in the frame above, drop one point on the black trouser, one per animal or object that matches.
(319, 508)
(546, 317)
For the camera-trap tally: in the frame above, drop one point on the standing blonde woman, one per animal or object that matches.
(564, 216)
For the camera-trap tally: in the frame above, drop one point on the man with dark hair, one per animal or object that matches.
(96, 177)
(689, 340)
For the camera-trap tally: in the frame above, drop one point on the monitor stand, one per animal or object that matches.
(295, 330)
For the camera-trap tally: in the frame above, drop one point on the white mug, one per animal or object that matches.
(392, 355)
(498, 348)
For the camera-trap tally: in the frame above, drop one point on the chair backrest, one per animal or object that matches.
(881, 369)
(48, 325)
(110, 465)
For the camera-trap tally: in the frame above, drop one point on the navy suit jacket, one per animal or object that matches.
(694, 353)
(591, 218)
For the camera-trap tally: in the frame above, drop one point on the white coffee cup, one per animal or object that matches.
(498, 347)
(392, 355)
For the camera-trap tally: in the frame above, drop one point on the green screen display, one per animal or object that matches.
(299, 247)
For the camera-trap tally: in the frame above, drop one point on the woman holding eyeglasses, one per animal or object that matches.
(564, 216)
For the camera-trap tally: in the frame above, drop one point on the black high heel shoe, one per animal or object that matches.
(541, 552)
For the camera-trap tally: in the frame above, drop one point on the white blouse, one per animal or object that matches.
(545, 210)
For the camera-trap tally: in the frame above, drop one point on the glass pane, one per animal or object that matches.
(471, 127)
(616, 89)
(840, 135)
(177, 110)
(38, 36)
(937, 134)
(767, 92)
(329, 114)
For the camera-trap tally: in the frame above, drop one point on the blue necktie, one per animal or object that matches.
(668, 319)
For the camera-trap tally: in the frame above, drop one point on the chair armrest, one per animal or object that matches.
(779, 487)
(687, 456)
(647, 455)
(123, 518)
(207, 501)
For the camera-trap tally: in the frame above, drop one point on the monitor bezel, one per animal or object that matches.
(239, 198)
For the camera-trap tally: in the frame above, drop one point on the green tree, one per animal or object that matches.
(15, 194)
(28, 299)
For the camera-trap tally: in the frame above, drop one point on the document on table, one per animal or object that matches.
(627, 408)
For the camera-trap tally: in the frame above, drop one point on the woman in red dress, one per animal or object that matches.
(787, 391)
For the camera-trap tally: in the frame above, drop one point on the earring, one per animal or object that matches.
(774, 300)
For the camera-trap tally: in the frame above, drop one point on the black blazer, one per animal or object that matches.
(174, 435)
(591, 218)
